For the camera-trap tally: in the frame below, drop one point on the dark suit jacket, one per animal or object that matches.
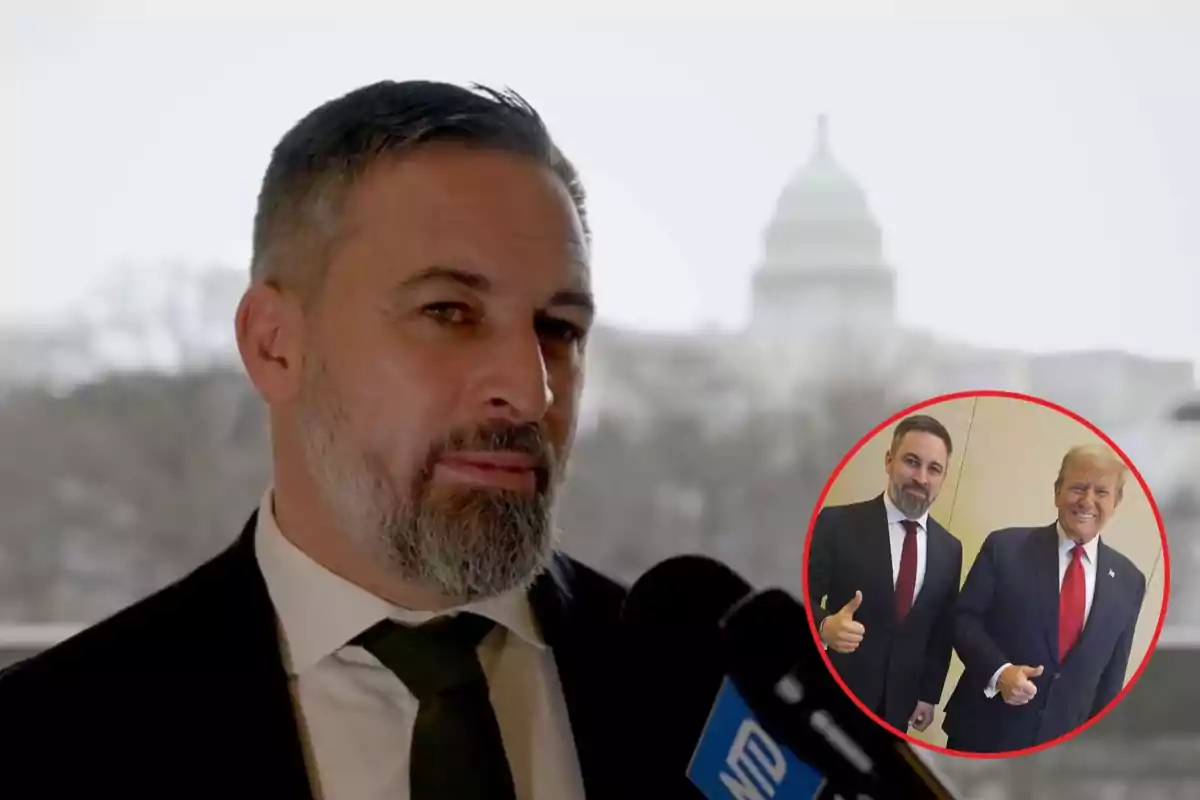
(184, 694)
(1008, 613)
(900, 662)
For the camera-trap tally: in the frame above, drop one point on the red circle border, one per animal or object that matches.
(963, 395)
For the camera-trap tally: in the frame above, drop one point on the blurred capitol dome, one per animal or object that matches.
(820, 192)
(823, 275)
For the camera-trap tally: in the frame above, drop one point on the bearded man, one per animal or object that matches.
(883, 580)
(396, 619)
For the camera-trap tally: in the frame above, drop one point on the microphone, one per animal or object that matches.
(795, 701)
(669, 646)
(735, 702)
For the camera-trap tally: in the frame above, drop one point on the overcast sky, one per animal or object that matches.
(1038, 181)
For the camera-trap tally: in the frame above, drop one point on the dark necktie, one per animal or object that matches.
(906, 582)
(457, 753)
(1071, 602)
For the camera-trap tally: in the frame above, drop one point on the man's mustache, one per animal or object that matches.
(530, 439)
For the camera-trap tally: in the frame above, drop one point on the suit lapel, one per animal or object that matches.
(877, 553)
(1105, 598)
(580, 653)
(264, 738)
(1044, 542)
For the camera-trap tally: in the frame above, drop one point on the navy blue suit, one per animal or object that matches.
(1008, 613)
(897, 664)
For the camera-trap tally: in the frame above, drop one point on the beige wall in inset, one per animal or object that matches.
(1007, 455)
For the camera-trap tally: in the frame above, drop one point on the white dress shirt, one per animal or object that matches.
(897, 534)
(356, 717)
(1065, 546)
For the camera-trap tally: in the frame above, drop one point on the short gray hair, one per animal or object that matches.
(319, 159)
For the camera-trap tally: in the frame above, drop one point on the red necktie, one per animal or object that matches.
(906, 582)
(1071, 602)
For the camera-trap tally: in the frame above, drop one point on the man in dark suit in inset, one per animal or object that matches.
(889, 575)
(1046, 618)
(395, 618)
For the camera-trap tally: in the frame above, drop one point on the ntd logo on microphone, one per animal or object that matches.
(737, 760)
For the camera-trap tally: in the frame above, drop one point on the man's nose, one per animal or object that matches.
(517, 382)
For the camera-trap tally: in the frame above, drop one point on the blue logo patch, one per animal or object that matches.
(737, 760)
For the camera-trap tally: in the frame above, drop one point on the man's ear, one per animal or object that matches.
(270, 336)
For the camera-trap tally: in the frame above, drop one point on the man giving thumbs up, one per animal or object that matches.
(883, 578)
(840, 632)
(1015, 686)
(1046, 618)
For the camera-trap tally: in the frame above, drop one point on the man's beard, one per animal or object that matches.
(464, 542)
(913, 504)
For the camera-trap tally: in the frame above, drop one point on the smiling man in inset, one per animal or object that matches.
(889, 574)
(1046, 618)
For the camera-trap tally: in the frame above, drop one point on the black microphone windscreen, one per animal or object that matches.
(670, 642)
(688, 590)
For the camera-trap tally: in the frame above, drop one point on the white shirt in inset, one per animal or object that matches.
(897, 534)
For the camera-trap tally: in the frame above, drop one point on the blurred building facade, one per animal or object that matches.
(824, 314)
(824, 311)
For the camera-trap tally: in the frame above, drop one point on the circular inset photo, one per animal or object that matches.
(986, 574)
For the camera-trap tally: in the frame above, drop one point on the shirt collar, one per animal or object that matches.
(1066, 545)
(895, 515)
(319, 612)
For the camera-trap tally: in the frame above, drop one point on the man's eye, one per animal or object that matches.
(561, 330)
(449, 313)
